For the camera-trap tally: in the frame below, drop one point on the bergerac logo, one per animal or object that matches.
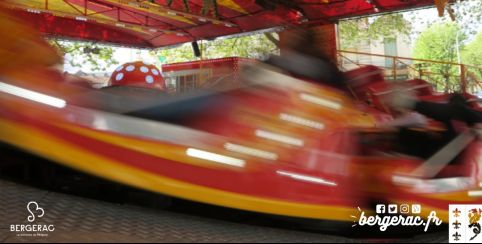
(395, 215)
(35, 213)
(37, 209)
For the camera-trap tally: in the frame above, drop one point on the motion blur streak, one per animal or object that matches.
(475, 193)
(320, 101)
(279, 138)
(306, 178)
(250, 151)
(302, 121)
(31, 95)
(405, 180)
(215, 157)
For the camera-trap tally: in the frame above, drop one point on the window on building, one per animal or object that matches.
(187, 82)
(390, 46)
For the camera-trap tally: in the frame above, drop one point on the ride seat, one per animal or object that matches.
(421, 87)
(376, 91)
(361, 78)
(375, 94)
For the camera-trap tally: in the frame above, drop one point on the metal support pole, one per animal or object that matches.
(463, 81)
(394, 66)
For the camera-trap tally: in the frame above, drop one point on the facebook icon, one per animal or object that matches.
(380, 209)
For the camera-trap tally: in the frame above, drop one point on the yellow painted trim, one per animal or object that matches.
(160, 13)
(454, 197)
(48, 146)
(161, 150)
(232, 5)
(62, 9)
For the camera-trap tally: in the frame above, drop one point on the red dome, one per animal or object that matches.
(138, 74)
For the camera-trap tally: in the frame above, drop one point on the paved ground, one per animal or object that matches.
(79, 219)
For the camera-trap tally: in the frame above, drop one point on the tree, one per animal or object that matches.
(181, 53)
(81, 54)
(468, 13)
(472, 55)
(355, 31)
(254, 46)
(439, 42)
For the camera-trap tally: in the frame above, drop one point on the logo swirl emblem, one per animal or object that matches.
(35, 211)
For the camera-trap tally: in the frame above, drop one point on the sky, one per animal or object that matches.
(123, 55)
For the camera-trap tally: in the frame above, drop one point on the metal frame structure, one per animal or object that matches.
(158, 24)
(122, 6)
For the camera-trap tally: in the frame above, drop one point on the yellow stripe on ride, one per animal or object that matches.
(161, 150)
(56, 5)
(232, 5)
(151, 10)
(65, 153)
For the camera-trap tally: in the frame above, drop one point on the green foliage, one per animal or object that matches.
(80, 54)
(177, 54)
(254, 46)
(472, 55)
(439, 42)
(468, 13)
(355, 31)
